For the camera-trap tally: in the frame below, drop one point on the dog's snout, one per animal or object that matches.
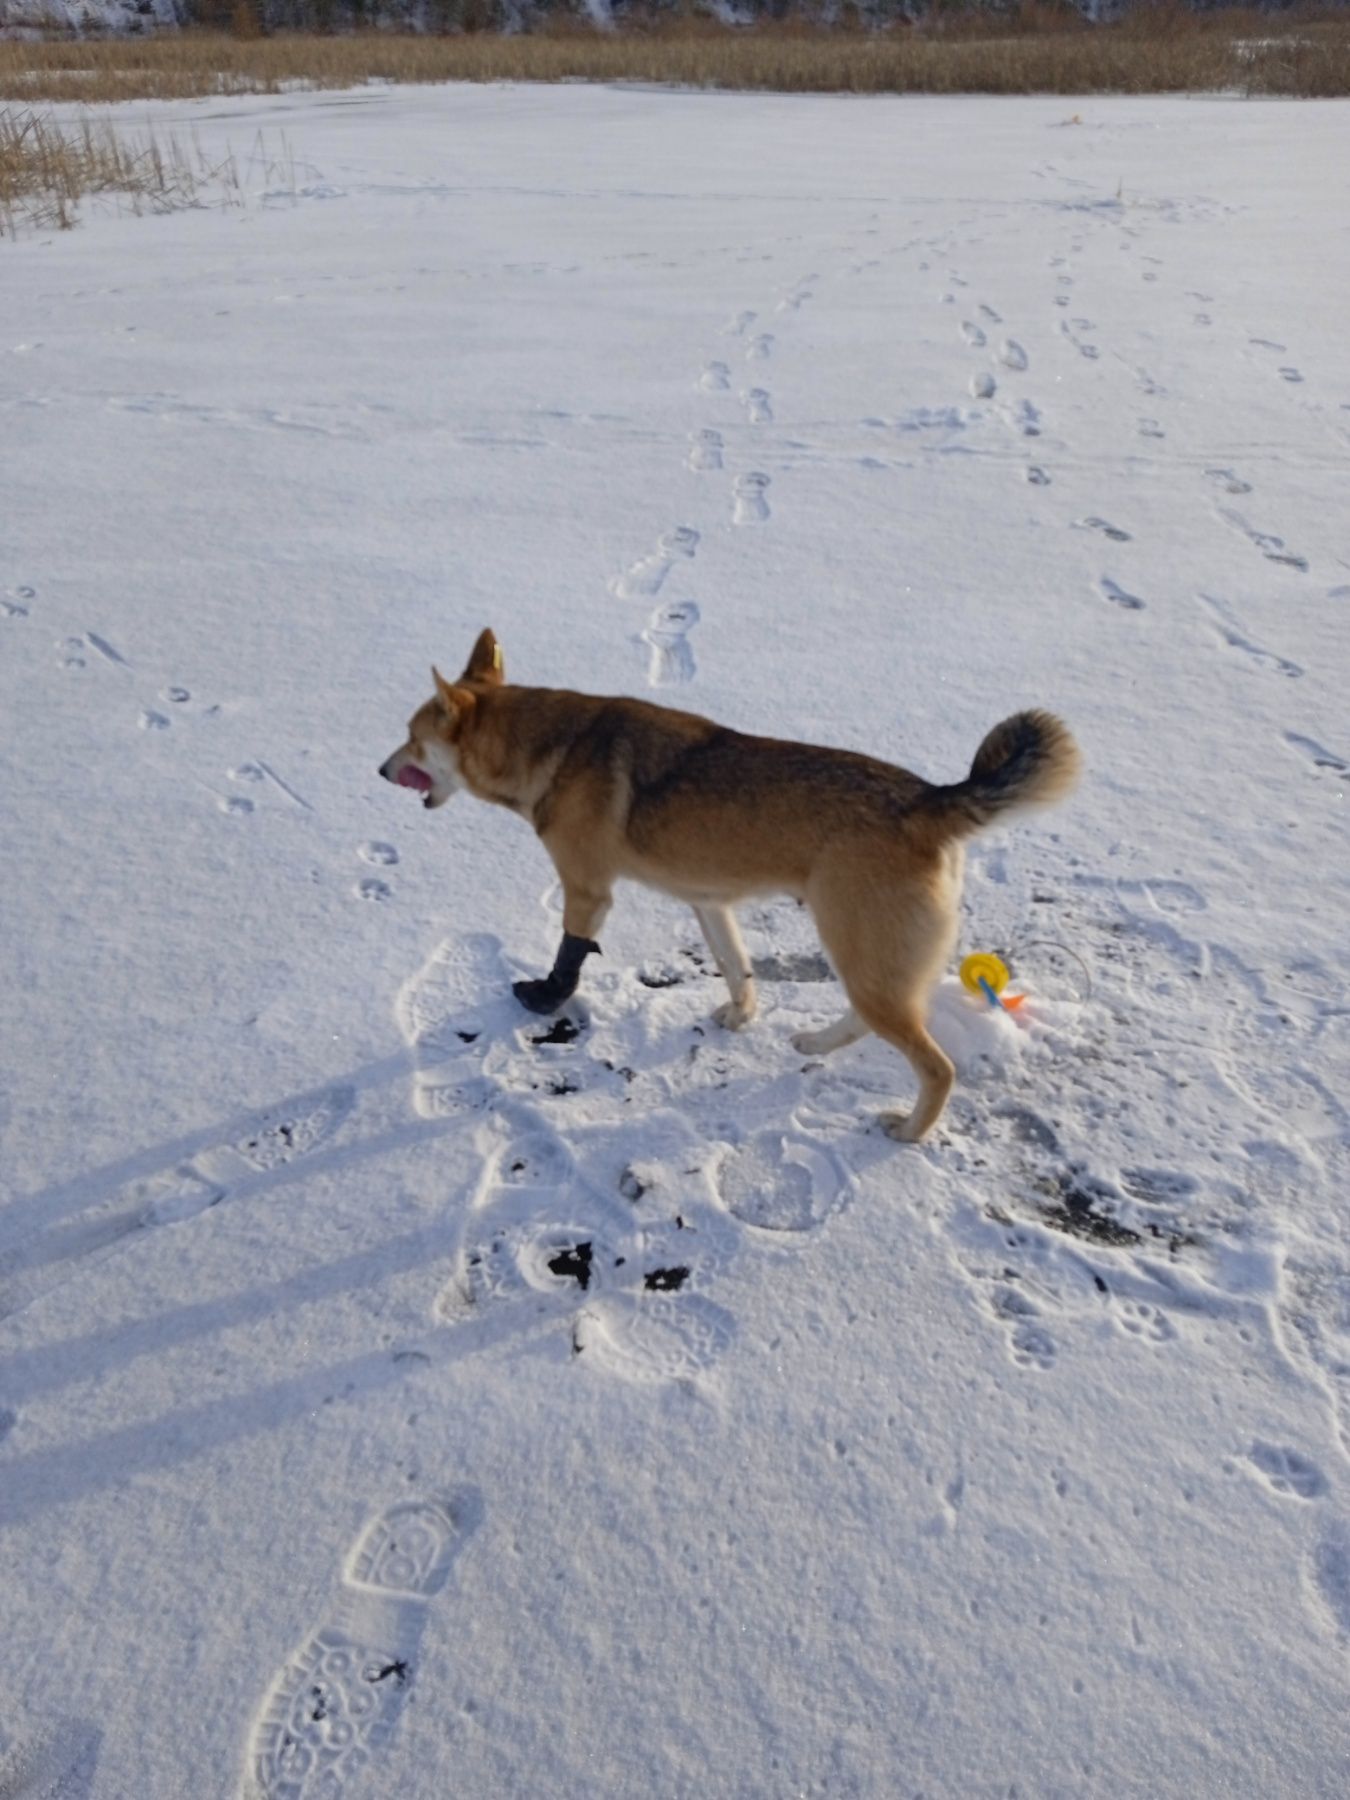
(386, 769)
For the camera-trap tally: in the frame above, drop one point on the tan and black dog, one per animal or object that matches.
(620, 789)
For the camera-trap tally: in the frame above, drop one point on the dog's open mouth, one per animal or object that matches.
(409, 776)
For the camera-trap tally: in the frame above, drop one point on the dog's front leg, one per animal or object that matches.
(583, 914)
(560, 983)
(723, 937)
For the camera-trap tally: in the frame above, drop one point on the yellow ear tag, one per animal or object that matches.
(497, 658)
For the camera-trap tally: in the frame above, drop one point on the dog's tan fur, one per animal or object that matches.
(620, 789)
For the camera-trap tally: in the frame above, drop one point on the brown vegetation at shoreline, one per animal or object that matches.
(1039, 48)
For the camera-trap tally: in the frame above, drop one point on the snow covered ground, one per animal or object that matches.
(396, 1402)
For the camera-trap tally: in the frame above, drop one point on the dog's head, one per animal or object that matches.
(429, 761)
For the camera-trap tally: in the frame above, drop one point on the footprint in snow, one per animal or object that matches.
(988, 312)
(1286, 1472)
(1149, 1324)
(1037, 476)
(739, 324)
(759, 406)
(1228, 481)
(705, 452)
(652, 1337)
(1030, 1345)
(35, 1265)
(618, 1275)
(1118, 596)
(150, 720)
(18, 600)
(715, 379)
(373, 889)
(1159, 1187)
(1114, 532)
(1024, 418)
(546, 1263)
(284, 1134)
(749, 504)
(1166, 896)
(794, 301)
(257, 774)
(1290, 374)
(983, 386)
(644, 579)
(973, 335)
(382, 855)
(338, 1698)
(75, 651)
(1012, 355)
(1320, 756)
(760, 347)
(780, 1182)
(442, 1010)
(667, 637)
(1271, 547)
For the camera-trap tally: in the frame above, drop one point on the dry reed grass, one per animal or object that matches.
(46, 169)
(1161, 48)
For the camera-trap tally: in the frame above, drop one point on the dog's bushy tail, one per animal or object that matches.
(1029, 759)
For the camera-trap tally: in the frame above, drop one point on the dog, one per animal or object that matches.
(621, 789)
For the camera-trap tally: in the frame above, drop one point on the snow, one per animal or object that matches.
(1011, 1464)
(24, 18)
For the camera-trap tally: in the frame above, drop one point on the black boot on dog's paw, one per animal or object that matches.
(539, 996)
(560, 983)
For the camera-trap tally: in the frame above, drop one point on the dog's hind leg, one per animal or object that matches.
(888, 925)
(833, 1037)
(932, 1066)
(723, 937)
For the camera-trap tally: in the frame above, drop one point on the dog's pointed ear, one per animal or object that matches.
(449, 699)
(485, 662)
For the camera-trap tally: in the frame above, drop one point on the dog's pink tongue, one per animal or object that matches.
(408, 776)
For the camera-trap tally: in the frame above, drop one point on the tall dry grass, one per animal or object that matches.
(47, 169)
(1160, 48)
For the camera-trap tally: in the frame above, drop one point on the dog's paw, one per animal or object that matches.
(539, 996)
(899, 1126)
(735, 1013)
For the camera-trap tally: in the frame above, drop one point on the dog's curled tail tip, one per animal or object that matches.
(1028, 759)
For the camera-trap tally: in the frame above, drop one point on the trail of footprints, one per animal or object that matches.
(666, 634)
(247, 779)
(1021, 415)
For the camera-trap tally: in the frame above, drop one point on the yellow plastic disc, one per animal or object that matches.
(983, 963)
